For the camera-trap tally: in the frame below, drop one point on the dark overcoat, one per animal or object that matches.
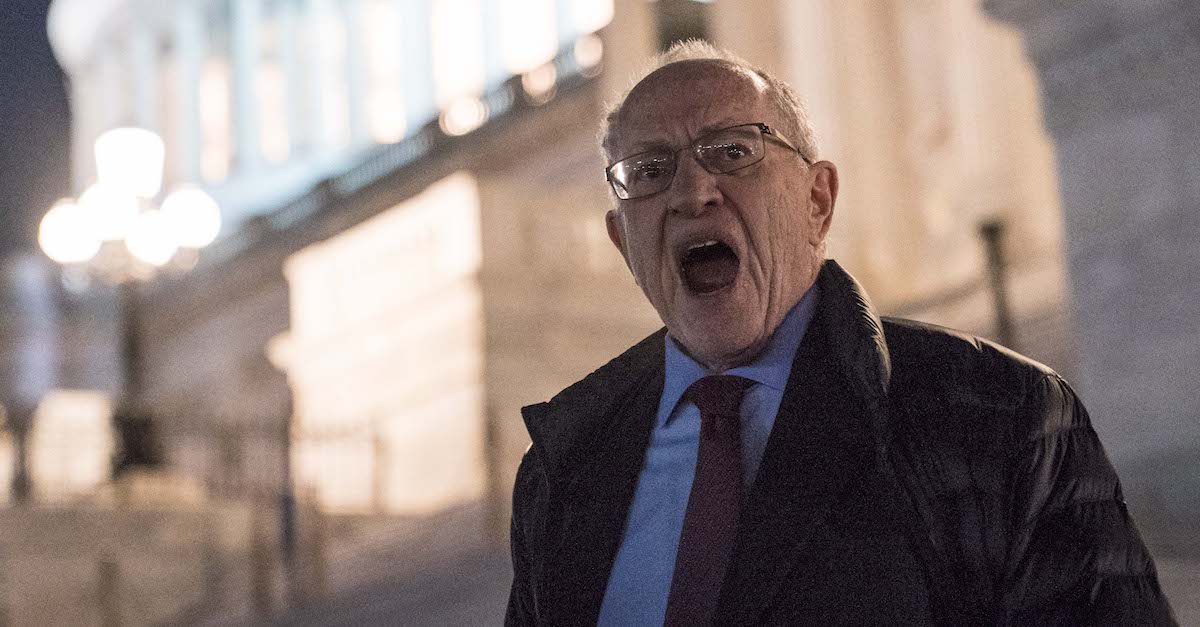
(914, 476)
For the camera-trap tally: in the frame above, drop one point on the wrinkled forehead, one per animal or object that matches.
(684, 99)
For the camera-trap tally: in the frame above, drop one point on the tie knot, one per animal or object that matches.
(718, 394)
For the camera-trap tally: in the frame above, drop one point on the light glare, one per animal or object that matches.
(193, 216)
(64, 234)
(588, 51)
(109, 212)
(130, 160)
(463, 116)
(151, 239)
(539, 83)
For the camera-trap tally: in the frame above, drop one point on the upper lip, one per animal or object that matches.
(687, 242)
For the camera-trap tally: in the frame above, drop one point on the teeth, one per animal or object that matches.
(710, 242)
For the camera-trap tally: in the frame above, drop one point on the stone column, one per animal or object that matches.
(1120, 85)
(494, 69)
(189, 59)
(419, 102)
(310, 60)
(294, 75)
(356, 72)
(144, 67)
(246, 54)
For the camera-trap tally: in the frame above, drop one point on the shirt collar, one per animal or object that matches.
(771, 368)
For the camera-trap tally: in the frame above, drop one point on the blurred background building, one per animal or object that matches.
(327, 398)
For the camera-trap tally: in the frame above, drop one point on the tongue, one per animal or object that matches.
(710, 272)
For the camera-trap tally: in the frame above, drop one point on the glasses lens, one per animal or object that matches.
(644, 174)
(730, 149)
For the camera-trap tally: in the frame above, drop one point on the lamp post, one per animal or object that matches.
(120, 232)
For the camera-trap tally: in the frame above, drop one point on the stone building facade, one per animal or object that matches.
(346, 336)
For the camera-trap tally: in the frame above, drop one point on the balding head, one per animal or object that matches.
(790, 111)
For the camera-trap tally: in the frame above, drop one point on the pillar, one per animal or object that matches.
(246, 53)
(419, 103)
(495, 70)
(1120, 89)
(189, 58)
(145, 85)
(288, 16)
(356, 72)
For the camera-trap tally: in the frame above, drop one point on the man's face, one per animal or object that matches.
(721, 302)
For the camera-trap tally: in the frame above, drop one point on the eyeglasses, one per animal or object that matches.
(719, 152)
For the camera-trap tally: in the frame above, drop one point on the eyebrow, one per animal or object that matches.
(716, 126)
(643, 145)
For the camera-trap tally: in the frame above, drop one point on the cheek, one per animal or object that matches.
(790, 219)
(644, 244)
(641, 247)
(644, 258)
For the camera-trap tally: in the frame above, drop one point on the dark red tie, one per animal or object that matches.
(710, 525)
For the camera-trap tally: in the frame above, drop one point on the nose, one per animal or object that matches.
(694, 190)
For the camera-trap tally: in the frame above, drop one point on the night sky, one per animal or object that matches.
(34, 123)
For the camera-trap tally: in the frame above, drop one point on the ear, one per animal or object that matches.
(822, 197)
(616, 234)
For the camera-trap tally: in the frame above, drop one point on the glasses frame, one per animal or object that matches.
(766, 131)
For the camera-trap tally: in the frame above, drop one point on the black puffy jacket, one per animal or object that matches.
(914, 476)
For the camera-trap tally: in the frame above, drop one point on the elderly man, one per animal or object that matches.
(778, 454)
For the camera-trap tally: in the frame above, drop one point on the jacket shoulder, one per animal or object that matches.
(996, 436)
(964, 383)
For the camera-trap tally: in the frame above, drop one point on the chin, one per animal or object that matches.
(724, 348)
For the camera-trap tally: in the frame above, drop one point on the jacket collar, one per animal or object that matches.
(565, 428)
(592, 438)
(856, 332)
(829, 430)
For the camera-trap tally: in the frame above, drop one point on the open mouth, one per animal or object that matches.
(708, 266)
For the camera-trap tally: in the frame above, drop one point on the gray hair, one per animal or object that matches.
(793, 115)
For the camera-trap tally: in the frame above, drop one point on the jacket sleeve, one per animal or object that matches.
(522, 608)
(1075, 556)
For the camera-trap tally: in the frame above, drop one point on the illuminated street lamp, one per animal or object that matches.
(116, 229)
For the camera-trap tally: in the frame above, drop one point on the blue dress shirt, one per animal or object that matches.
(641, 575)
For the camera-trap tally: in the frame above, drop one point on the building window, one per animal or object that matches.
(678, 20)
